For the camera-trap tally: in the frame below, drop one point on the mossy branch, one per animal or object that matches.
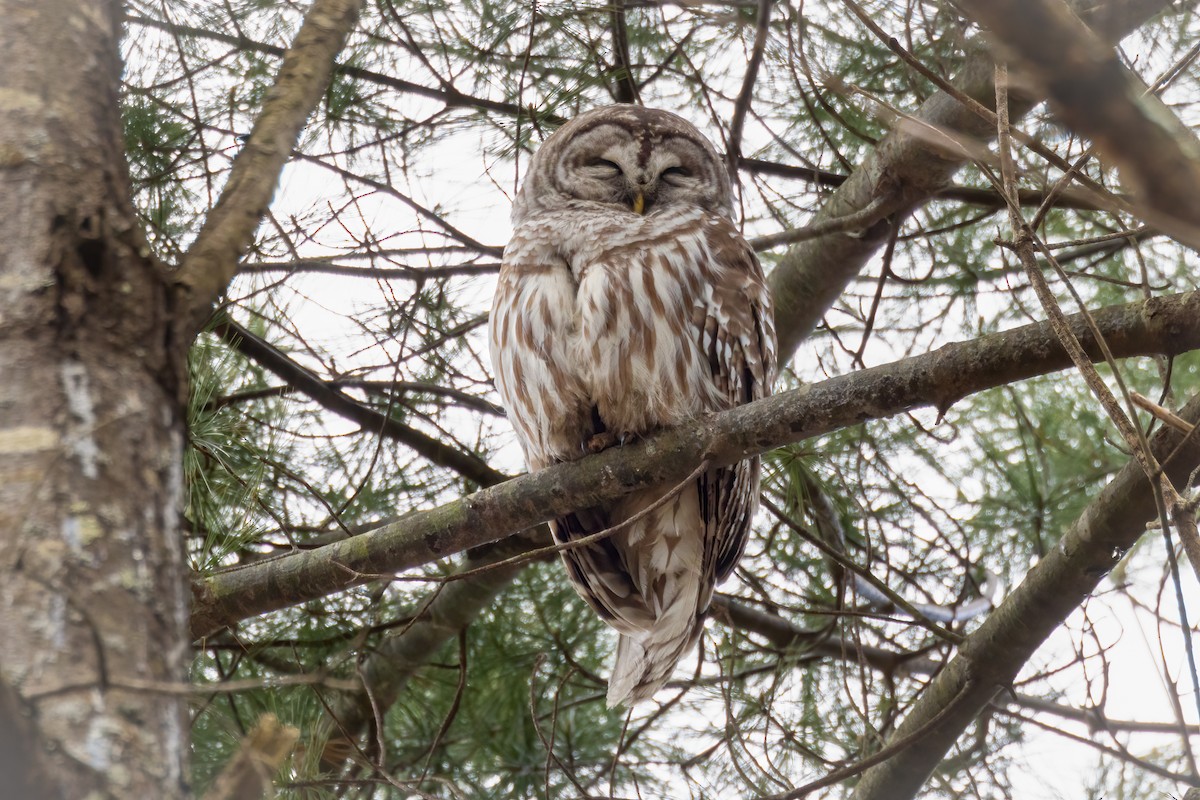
(1166, 325)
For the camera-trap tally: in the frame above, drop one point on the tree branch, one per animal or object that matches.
(625, 88)
(1167, 325)
(328, 266)
(228, 230)
(742, 104)
(389, 666)
(788, 636)
(385, 388)
(384, 188)
(1157, 154)
(785, 635)
(990, 658)
(448, 95)
(1071, 197)
(907, 171)
(334, 399)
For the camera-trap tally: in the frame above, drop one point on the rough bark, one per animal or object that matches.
(93, 333)
(92, 580)
(1168, 325)
(24, 774)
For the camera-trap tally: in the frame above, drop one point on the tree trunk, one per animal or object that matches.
(93, 614)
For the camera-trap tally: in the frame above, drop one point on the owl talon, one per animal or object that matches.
(600, 442)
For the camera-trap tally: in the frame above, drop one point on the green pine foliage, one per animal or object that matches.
(373, 273)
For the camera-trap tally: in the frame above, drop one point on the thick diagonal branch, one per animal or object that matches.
(990, 658)
(1168, 325)
(228, 230)
(1097, 96)
(332, 398)
(905, 171)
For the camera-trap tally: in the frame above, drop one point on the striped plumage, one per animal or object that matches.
(609, 324)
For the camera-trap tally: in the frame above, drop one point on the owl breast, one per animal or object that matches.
(609, 331)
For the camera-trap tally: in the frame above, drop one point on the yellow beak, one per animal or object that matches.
(639, 203)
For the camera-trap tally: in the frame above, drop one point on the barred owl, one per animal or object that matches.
(628, 302)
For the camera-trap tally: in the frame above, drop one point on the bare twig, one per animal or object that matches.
(453, 98)
(857, 221)
(1164, 415)
(1070, 198)
(742, 104)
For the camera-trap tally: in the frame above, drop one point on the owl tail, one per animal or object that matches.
(646, 659)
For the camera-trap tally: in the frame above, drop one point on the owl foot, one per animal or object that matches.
(601, 441)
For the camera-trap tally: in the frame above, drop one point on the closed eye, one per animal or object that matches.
(604, 163)
(675, 172)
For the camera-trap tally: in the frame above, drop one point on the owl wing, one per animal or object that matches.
(737, 335)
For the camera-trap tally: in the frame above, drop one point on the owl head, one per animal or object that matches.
(636, 159)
